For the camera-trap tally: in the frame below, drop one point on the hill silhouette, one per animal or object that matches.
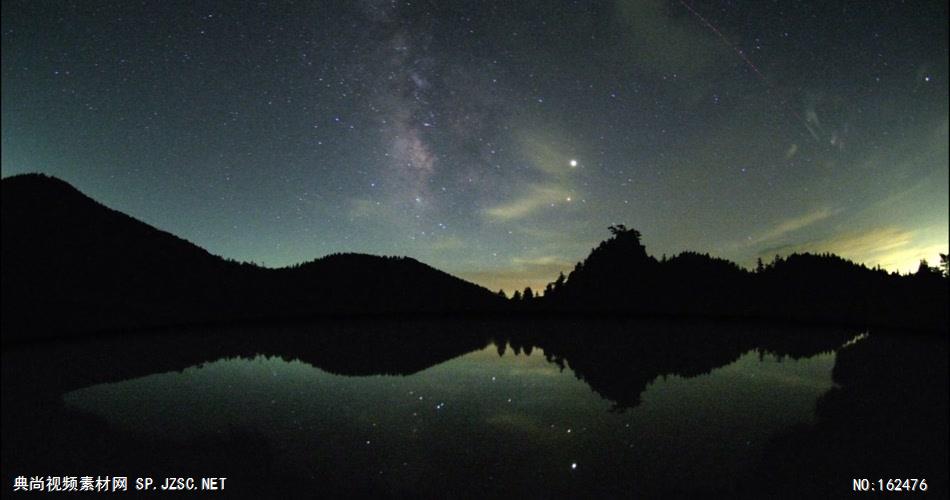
(70, 264)
(619, 277)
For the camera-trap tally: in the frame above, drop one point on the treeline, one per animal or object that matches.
(620, 277)
(70, 265)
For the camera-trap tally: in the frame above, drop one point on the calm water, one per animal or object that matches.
(671, 411)
(479, 412)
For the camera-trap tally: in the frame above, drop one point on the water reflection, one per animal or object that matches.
(518, 391)
(478, 411)
(613, 408)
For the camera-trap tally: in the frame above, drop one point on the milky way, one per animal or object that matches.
(496, 141)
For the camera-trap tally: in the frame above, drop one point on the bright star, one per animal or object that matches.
(573, 163)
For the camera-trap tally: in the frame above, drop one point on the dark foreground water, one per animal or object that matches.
(440, 408)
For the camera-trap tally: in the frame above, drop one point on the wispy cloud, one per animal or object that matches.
(544, 262)
(793, 224)
(892, 248)
(553, 163)
(549, 154)
(791, 151)
(536, 197)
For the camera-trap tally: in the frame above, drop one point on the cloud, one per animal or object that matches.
(793, 224)
(872, 243)
(545, 262)
(549, 155)
(536, 197)
(892, 248)
(552, 162)
(792, 150)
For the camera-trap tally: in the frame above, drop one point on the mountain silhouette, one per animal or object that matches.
(70, 264)
(619, 277)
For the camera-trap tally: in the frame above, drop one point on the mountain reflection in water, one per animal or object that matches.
(426, 408)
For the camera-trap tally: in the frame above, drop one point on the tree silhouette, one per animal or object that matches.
(71, 265)
(620, 277)
(925, 270)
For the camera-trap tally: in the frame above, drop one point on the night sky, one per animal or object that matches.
(494, 141)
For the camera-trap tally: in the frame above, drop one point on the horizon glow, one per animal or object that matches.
(498, 143)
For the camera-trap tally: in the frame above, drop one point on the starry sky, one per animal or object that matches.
(495, 141)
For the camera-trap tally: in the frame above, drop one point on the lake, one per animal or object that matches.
(494, 408)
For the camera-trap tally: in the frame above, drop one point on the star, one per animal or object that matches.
(476, 155)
